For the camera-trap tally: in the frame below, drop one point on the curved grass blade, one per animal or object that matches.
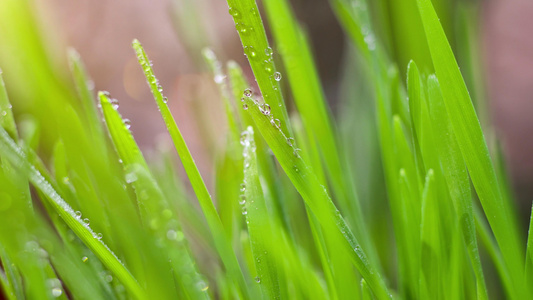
(17, 157)
(260, 55)
(314, 194)
(220, 237)
(258, 220)
(473, 146)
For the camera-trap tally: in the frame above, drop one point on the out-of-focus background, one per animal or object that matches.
(172, 31)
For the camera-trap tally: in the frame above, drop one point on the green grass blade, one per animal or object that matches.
(529, 250)
(220, 237)
(12, 152)
(258, 222)
(472, 144)
(260, 55)
(314, 194)
(455, 174)
(6, 114)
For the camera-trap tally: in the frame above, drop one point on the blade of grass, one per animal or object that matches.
(315, 195)
(260, 55)
(456, 176)
(473, 146)
(220, 237)
(6, 114)
(13, 153)
(258, 222)
(529, 250)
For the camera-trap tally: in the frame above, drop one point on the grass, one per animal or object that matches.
(305, 203)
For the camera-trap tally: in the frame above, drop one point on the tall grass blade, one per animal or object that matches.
(220, 237)
(473, 146)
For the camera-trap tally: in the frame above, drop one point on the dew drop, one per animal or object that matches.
(108, 278)
(86, 221)
(127, 123)
(268, 52)
(265, 109)
(243, 200)
(4, 113)
(244, 211)
(84, 259)
(250, 52)
(165, 99)
(245, 106)
(253, 11)
(296, 169)
(275, 122)
(234, 13)
(78, 214)
(57, 292)
(172, 235)
(296, 152)
(258, 279)
(244, 139)
(248, 93)
(290, 141)
(243, 187)
(267, 65)
(277, 76)
(99, 236)
(131, 177)
(219, 78)
(242, 28)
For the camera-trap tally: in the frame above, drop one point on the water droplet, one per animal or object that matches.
(167, 213)
(248, 93)
(172, 235)
(244, 211)
(219, 78)
(99, 236)
(253, 11)
(277, 76)
(245, 106)
(258, 279)
(84, 259)
(296, 152)
(265, 109)
(86, 221)
(4, 113)
(290, 141)
(78, 214)
(250, 52)
(108, 278)
(165, 99)
(244, 139)
(243, 200)
(66, 180)
(268, 52)
(131, 177)
(114, 103)
(296, 169)
(127, 123)
(57, 292)
(242, 28)
(275, 122)
(243, 187)
(267, 65)
(234, 13)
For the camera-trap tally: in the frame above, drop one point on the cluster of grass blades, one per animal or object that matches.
(83, 214)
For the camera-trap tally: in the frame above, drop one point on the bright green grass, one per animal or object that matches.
(84, 215)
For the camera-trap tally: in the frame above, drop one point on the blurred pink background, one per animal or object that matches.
(102, 32)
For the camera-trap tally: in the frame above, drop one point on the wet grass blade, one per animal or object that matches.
(6, 114)
(472, 144)
(14, 154)
(258, 221)
(260, 55)
(314, 194)
(529, 250)
(220, 237)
